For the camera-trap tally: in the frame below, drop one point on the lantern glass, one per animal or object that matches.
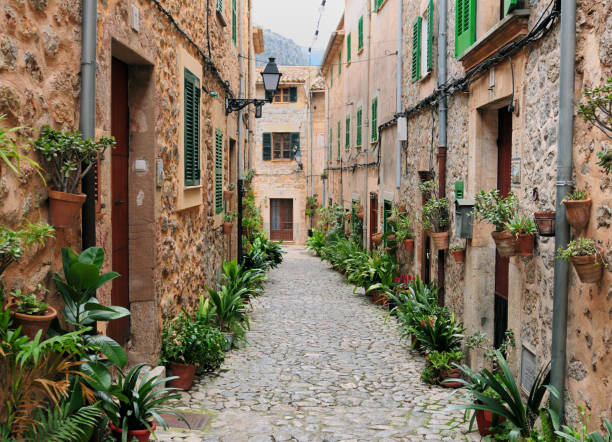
(271, 76)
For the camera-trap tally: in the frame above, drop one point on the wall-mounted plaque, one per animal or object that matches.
(528, 368)
(515, 172)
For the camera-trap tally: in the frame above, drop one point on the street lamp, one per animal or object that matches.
(271, 78)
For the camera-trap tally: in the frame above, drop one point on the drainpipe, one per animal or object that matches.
(366, 169)
(565, 135)
(442, 120)
(239, 182)
(87, 122)
(400, 37)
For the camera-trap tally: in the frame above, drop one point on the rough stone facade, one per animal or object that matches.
(175, 237)
(280, 178)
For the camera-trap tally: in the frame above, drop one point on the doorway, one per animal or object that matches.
(119, 329)
(373, 221)
(281, 219)
(502, 265)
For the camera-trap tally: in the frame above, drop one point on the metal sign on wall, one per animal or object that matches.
(528, 368)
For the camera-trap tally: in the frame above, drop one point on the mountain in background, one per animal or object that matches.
(287, 52)
(316, 56)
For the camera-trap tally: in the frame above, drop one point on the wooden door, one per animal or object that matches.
(373, 220)
(281, 219)
(120, 328)
(502, 265)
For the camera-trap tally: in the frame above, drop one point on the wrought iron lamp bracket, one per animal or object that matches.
(236, 104)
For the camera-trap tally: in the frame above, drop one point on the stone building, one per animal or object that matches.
(158, 213)
(292, 128)
(501, 133)
(360, 66)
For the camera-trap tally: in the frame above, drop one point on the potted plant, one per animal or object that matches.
(586, 257)
(435, 214)
(228, 223)
(524, 229)
(577, 209)
(69, 158)
(14, 242)
(136, 402)
(458, 252)
(324, 175)
(545, 222)
(439, 368)
(596, 111)
(31, 313)
(230, 312)
(179, 349)
(358, 209)
(228, 193)
(402, 226)
(497, 210)
(377, 238)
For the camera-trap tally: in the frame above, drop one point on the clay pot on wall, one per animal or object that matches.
(545, 222)
(525, 245)
(64, 207)
(30, 324)
(139, 435)
(459, 255)
(360, 214)
(228, 195)
(185, 373)
(377, 238)
(440, 240)
(408, 244)
(578, 213)
(227, 227)
(589, 268)
(506, 243)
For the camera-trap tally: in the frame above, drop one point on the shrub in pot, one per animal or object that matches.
(135, 405)
(577, 209)
(228, 223)
(586, 257)
(401, 225)
(439, 368)
(524, 230)
(69, 158)
(498, 211)
(229, 311)
(435, 214)
(458, 253)
(31, 314)
(228, 193)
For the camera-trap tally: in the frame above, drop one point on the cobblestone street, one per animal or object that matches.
(321, 364)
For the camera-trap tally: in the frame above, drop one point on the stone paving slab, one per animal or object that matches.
(322, 364)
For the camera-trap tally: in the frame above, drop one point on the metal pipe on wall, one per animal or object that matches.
(366, 198)
(565, 135)
(240, 146)
(87, 121)
(400, 38)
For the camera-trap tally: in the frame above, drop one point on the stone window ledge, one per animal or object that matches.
(510, 28)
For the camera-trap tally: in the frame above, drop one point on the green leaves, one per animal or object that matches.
(495, 209)
(435, 210)
(109, 348)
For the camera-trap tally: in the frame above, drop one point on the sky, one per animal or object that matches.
(297, 19)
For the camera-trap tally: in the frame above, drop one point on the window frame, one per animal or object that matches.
(358, 124)
(464, 37)
(374, 120)
(347, 131)
(285, 95)
(339, 135)
(192, 173)
(219, 141)
(348, 49)
(360, 35)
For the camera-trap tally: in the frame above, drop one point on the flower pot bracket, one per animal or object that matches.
(464, 217)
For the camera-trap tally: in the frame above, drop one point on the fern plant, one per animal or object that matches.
(59, 425)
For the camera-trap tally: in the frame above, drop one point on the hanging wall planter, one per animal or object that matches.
(228, 195)
(377, 238)
(440, 240)
(525, 245)
(589, 268)
(64, 208)
(360, 214)
(459, 255)
(408, 244)
(545, 222)
(578, 212)
(506, 243)
(227, 228)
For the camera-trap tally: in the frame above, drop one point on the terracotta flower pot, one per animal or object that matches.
(402, 208)
(139, 435)
(578, 213)
(545, 222)
(64, 208)
(185, 373)
(484, 419)
(227, 227)
(453, 373)
(30, 324)
(408, 245)
(380, 298)
(589, 268)
(506, 243)
(377, 238)
(228, 194)
(525, 244)
(440, 240)
(360, 214)
(391, 237)
(459, 255)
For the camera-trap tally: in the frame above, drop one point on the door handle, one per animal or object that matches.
(117, 202)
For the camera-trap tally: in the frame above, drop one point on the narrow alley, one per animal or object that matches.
(322, 363)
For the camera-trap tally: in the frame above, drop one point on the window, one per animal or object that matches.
(347, 141)
(358, 136)
(422, 45)
(339, 129)
(192, 129)
(339, 63)
(220, 6)
(218, 171)
(509, 5)
(234, 23)
(348, 48)
(415, 71)
(387, 209)
(286, 95)
(465, 25)
(374, 120)
(280, 146)
(360, 34)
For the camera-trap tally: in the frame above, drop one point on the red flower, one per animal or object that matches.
(423, 323)
(396, 280)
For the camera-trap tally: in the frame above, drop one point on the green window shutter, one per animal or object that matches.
(387, 207)
(430, 28)
(415, 72)
(234, 23)
(348, 48)
(220, 5)
(465, 25)
(360, 36)
(339, 130)
(218, 171)
(339, 63)
(347, 141)
(509, 5)
(192, 129)
(267, 146)
(293, 94)
(358, 136)
(374, 120)
(295, 142)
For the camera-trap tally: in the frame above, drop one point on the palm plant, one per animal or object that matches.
(439, 332)
(316, 242)
(230, 311)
